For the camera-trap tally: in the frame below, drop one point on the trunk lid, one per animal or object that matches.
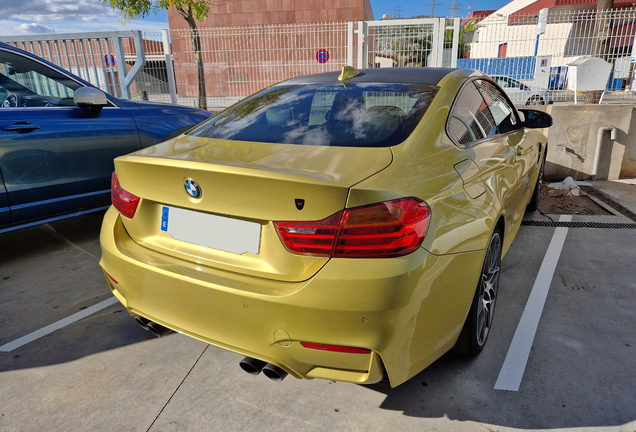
(245, 187)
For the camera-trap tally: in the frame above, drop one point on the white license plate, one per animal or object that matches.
(216, 232)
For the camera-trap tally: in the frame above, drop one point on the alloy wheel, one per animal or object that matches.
(488, 288)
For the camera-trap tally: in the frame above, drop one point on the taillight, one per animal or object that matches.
(310, 238)
(125, 202)
(383, 230)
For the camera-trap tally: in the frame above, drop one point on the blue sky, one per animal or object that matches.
(423, 7)
(67, 16)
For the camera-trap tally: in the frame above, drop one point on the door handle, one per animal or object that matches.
(20, 127)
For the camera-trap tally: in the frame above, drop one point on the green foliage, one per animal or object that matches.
(470, 27)
(133, 9)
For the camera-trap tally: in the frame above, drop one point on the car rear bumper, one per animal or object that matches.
(407, 311)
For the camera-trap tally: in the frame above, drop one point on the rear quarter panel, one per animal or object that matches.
(440, 294)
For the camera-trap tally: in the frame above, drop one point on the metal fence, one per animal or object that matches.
(95, 57)
(531, 51)
(412, 43)
(239, 61)
(538, 49)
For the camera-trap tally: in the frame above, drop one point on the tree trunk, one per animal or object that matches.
(198, 56)
(601, 42)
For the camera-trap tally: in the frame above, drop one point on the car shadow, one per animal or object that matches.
(453, 388)
(48, 273)
(106, 330)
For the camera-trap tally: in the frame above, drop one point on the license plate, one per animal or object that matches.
(212, 231)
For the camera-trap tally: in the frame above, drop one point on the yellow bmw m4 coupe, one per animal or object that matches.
(347, 226)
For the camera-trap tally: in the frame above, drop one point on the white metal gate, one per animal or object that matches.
(98, 57)
(239, 61)
(421, 42)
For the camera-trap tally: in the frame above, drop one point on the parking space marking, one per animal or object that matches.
(515, 363)
(48, 228)
(57, 325)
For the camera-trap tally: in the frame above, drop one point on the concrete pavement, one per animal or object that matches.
(623, 191)
(104, 373)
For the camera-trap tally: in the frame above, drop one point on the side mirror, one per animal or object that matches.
(90, 97)
(535, 119)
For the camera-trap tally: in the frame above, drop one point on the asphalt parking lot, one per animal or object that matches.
(104, 373)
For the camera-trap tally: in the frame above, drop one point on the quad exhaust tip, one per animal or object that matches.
(251, 365)
(274, 373)
(143, 322)
(156, 329)
(254, 367)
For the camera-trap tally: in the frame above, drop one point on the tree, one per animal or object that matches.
(190, 10)
(466, 33)
(601, 42)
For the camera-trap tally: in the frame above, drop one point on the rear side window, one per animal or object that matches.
(502, 112)
(358, 115)
(470, 120)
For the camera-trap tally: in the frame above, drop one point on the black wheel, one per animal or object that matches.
(482, 310)
(536, 194)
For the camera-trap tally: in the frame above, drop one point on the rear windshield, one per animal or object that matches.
(358, 115)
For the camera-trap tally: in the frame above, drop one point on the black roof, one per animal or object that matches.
(416, 75)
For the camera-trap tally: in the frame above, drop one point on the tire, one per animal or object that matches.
(536, 194)
(482, 310)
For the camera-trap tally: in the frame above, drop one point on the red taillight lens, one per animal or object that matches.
(126, 203)
(310, 238)
(336, 348)
(387, 229)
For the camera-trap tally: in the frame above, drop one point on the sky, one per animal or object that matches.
(70, 16)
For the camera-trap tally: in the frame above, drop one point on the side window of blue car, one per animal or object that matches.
(27, 83)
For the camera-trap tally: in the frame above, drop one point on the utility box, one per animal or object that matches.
(588, 73)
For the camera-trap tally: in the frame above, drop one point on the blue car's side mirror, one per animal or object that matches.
(89, 97)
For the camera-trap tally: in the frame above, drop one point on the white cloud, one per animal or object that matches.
(32, 28)
(50, 10)
(40, 17)
(68, 16)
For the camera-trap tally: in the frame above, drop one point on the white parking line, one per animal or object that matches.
(48, 228)
(515, 363)
(57, 325)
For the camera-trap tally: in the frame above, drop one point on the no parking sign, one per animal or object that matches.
(109, 60)
(322, 56)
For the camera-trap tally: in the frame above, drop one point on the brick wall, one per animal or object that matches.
(248, 12)
(238, 63)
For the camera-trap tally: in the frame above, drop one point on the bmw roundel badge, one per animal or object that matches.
(192, 188)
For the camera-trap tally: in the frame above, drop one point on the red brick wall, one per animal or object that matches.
(247, 12)
(237, 65)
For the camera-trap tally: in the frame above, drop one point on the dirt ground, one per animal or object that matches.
(556, 201)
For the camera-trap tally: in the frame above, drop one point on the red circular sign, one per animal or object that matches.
(322, 56)
(109, 60)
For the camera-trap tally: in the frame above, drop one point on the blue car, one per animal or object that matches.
(59, 136)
